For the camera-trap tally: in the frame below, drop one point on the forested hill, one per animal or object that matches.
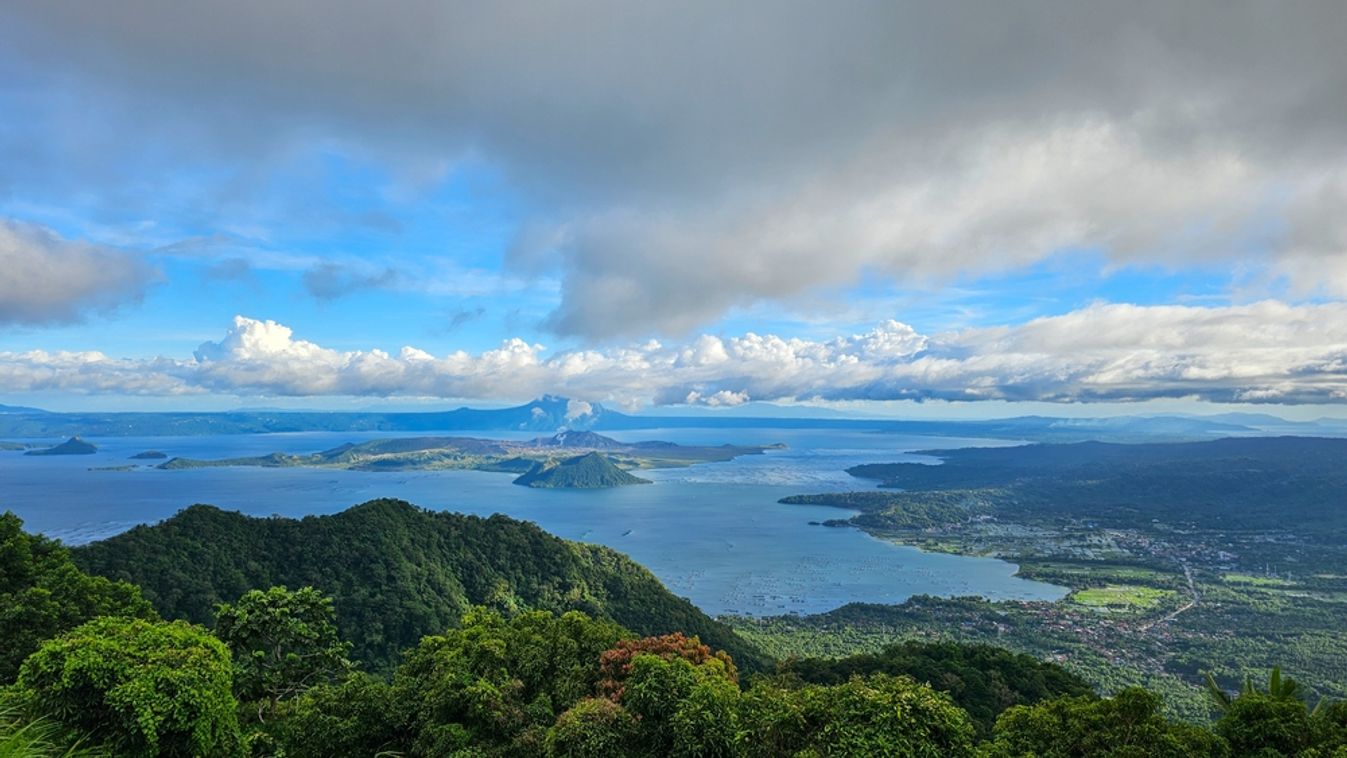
(590, 471)
(396, 572)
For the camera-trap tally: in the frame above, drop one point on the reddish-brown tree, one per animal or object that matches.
(615, 664)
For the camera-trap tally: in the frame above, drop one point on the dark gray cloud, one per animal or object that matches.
(463, 316)
(329, 281)
(687, 158)
(46, 279)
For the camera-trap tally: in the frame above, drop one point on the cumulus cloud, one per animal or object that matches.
(1261, 352)
(682, 159)
(47, 279)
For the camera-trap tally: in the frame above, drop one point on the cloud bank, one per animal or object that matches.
(46, 279)
(747, 152)
(1257, 353)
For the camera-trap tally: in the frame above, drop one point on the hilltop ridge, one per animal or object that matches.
(396, 572)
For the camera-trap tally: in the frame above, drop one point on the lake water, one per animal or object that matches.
(713, 533)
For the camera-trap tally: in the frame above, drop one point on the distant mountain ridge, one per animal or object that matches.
(548, 414)
(21, 409)
(554, 414)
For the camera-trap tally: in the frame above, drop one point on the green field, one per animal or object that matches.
(1122, 596)
(1258, 581)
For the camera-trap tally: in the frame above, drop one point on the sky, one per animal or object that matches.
(900, 208)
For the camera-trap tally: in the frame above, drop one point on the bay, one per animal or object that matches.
(713, 533)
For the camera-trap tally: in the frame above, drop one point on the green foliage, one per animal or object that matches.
(42, 594)
(706, 722)
(1128, 725)
(142, 688)
(1329, 722)
(681, 708)
(1274, 720)
(1265, 725)
(25, 737)
(395, 573)
(981, 679)
(1278, 688)
(526, 686)
(880, 715)
(499, 683)
(282, 643)
(592, 728)
(358, 716)
(616, 664)
(773, 719)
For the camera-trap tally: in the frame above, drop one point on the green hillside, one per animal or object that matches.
(589, 471)
(395, 572)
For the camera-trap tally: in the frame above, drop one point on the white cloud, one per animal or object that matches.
(47, 279)
(1261, 352)
(577, 409)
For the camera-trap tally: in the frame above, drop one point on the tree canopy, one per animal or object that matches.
(395, 573)
(142, 688)
(42, 594)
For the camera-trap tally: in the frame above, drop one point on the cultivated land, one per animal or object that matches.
(1220, 557)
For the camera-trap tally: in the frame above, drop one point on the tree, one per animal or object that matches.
(498, 682)
(592, 728)
(1330, 730)
(981, 679)
(681, 708)
(616, 664)
(1261, 724)
(706, 724)
(357, 716)
(1128, 725)
(885, 715)
(1275, 720)
(141, 688)
(282, 643)
(1278, 688)
(42, 594)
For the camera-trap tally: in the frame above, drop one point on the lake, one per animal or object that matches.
(713, 533)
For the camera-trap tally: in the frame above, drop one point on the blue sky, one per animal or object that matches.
(802, 214)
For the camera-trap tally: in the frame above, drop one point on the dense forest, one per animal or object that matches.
(395, 573)
(91, 669)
